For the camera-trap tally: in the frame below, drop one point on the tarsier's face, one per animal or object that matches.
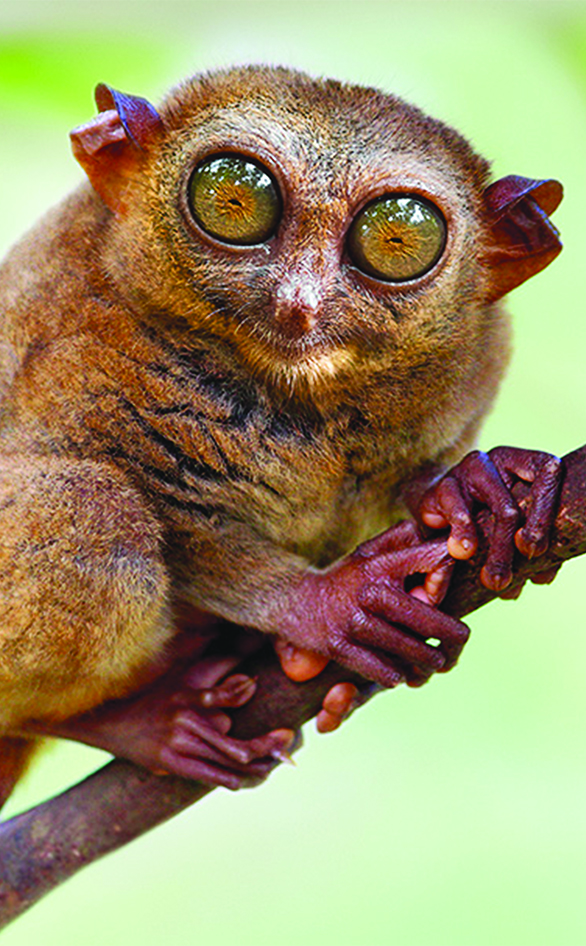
(311, 225)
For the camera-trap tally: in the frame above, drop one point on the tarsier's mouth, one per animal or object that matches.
(295, 367)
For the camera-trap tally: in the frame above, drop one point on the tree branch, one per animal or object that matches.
(41, 848)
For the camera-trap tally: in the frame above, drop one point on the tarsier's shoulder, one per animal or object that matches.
(51, 289)
(50, 264)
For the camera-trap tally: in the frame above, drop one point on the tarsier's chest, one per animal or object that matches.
(209, 449)
(222, 456)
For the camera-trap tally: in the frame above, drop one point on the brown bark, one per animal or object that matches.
(44, 846)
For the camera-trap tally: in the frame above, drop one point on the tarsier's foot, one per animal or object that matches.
(176, 726)
(486, 479)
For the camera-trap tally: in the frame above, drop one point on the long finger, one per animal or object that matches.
(485, 484)
(532, 539)
(398, 607)
(419, 559)
(241, 751)
(391, 640)
(377, 667)
(212, 774)
(445, 506)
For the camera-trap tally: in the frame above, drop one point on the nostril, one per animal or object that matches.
(294, 319)
(297, 308)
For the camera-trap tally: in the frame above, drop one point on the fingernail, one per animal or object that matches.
(281, 755)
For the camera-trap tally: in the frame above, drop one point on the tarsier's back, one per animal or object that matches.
(230, 358)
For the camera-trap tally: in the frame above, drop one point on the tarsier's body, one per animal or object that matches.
(188, 420)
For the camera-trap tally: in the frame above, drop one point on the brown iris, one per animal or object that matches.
(397, 238)
(235, 200)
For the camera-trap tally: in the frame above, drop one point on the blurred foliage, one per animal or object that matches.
(55, 77)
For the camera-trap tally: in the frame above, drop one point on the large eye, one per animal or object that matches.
(234, 200)
(397, 238)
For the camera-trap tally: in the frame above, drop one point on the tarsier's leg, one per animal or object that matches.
(84, 613)
(83, 589)
(14, 755)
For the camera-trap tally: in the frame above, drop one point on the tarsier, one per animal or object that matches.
(232, 363)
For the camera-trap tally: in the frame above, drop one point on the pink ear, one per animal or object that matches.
(139, 119)
(111, 146)
(524, 241)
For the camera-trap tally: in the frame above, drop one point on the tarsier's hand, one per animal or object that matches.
(486, 480)
(480, 480)
(370, 614)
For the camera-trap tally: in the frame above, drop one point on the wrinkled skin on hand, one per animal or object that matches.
(376, 611)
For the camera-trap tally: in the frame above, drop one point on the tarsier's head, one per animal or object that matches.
(311, 225)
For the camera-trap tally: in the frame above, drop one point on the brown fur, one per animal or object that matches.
(166, 437)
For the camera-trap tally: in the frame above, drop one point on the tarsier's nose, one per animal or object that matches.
(300, 297)
(297, 306)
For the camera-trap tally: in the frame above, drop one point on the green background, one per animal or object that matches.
(452, 815)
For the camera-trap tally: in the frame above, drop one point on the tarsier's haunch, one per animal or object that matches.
(232, 363)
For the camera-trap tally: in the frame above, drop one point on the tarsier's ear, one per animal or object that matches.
(111, 146)
(523, 239)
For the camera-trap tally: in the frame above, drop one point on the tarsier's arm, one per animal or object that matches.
(451, 501)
